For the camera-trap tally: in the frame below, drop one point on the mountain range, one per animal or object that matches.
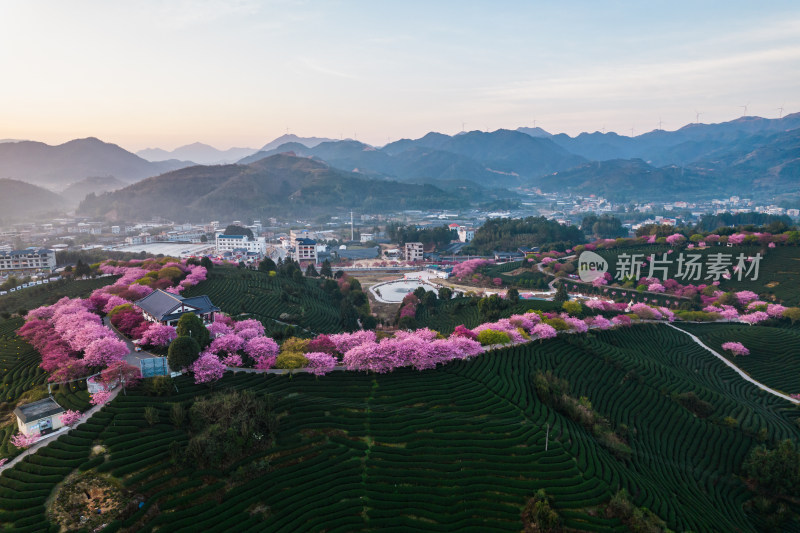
(56, 166)
(19, 199)
(750, 156)
(203, 154)
(280, 184)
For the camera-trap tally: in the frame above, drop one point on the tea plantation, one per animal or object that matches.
(50, 293)
(774, 358)
(461, 447)
(778, 276)
(271, 299)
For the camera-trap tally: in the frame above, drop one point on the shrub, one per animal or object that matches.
(489, 337)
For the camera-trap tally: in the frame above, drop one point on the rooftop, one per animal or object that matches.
(30, 412)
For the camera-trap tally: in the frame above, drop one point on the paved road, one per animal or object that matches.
(737, 369)
(133, 356)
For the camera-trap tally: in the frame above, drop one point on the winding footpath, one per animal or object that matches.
(737, 369)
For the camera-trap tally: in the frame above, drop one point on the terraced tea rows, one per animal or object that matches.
(774, 358)
(461, 447)
(238, 291)
(447, 315)
(46, 294)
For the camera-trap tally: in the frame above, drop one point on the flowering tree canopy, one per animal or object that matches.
(22, 441)
(70, 417)
(208, 368)
(736, 348)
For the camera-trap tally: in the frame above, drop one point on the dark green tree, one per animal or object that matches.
(349, 316)
(513, 296)
(238, 230)
(777, 471)
(311, 271)
(445, 293)
(267, 265)
(206, 263)
(326, 271)
(561, 295)
(190, 325)
(429, 299)
(182, 352)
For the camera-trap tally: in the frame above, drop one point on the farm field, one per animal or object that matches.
(240, 291)
(774, 358)
(50, 293)
(459, 447)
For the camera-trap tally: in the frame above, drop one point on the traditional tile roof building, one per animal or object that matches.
(167, 308)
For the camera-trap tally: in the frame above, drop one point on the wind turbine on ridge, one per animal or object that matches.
(697, 116)
(780, 109)
(745, 109)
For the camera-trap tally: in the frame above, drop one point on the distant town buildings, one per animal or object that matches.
(27, 260)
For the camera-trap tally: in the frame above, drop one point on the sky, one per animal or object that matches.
(240, 73)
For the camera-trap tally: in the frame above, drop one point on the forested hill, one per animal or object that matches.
(506, 234)
(281, 184)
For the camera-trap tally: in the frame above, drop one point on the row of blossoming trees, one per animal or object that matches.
(70, 334)
(72, 339)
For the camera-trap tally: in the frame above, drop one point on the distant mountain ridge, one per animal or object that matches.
(23, 201)
(56, 166)
(502, 158)
(692, 142)
(199, 153)
(280, 184)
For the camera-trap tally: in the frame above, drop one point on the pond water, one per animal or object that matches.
(395, 291)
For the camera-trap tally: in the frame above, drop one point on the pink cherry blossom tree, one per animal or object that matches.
(207, 369)
(100, 397)
(320, 363)
(736, 348)
(22, 441)
(70, 417)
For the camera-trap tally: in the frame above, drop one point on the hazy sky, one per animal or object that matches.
(238, 73)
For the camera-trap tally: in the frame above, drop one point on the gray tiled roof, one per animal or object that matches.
(37, 410)
(162, 305)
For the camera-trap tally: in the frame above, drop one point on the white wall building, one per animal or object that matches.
(229, 243)
(30, 259)
(465, 234)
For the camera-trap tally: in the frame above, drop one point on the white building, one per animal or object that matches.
(465, 234)
(413, 251)
(30, 259)
(229, 243)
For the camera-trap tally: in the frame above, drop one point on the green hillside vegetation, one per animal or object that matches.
(459, 447)
(276, 301)
(506, 234)
(19, 199)
(22, 381)
(444, 316)
(779, 271)
(280, 184)
(49, 293)
(774, 358)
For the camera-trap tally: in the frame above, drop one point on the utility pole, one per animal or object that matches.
(352, 233)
